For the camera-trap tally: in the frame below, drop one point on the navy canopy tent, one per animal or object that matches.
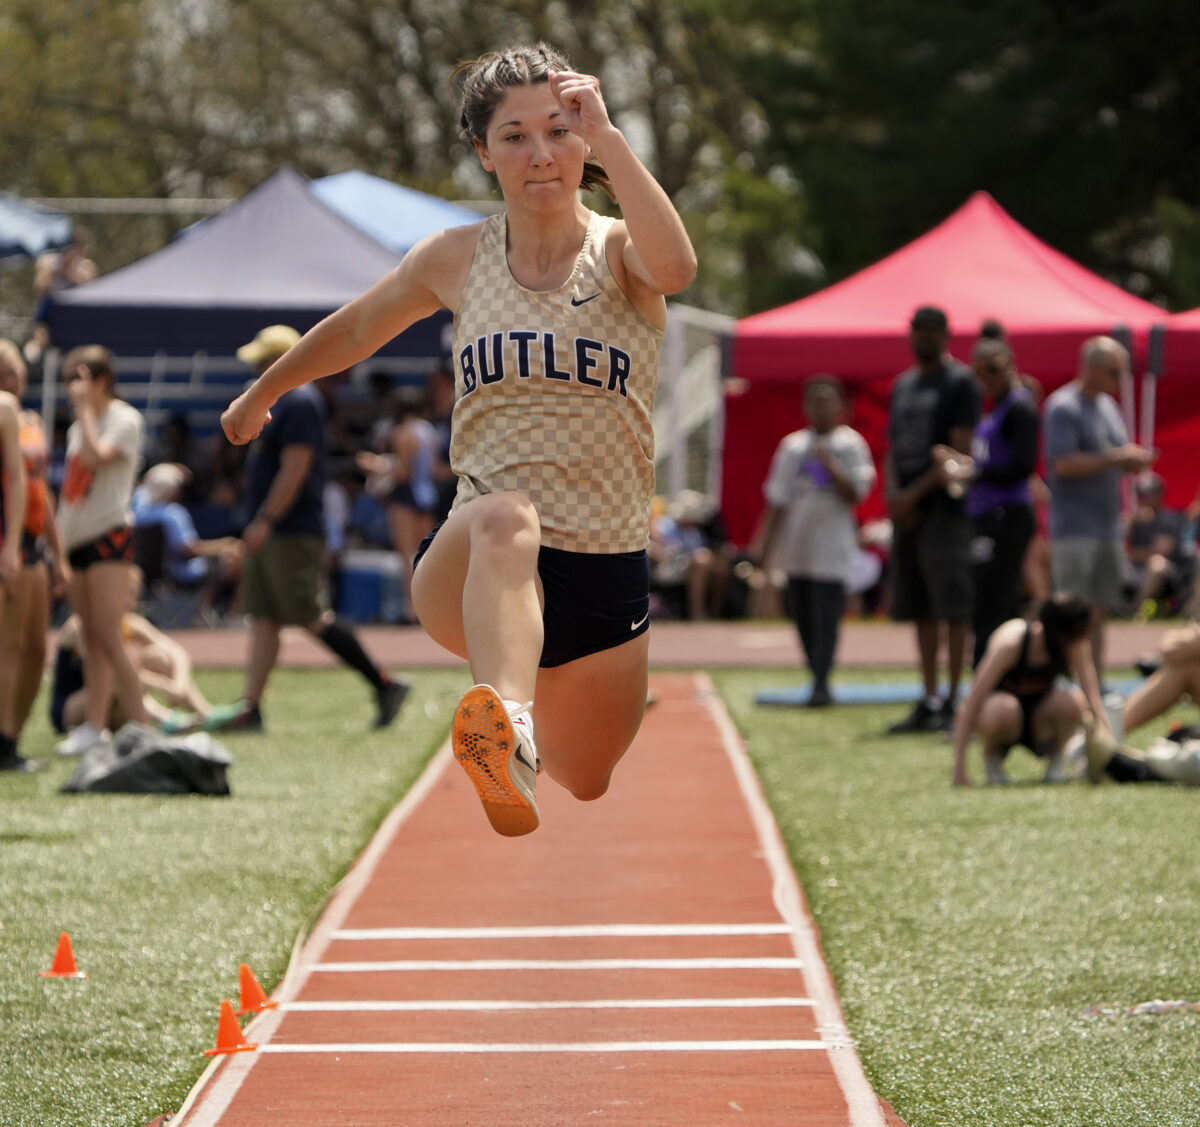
(278, 255)
(27, 229)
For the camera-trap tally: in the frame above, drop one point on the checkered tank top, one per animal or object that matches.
(556, 396)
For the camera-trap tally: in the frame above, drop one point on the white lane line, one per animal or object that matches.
(716, 963)
(568, 1047)
(487, 1006)
(217, 1086)
(571, 931)
(860, 1097)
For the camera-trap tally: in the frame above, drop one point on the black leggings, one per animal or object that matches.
(999, 541)
(816, 606)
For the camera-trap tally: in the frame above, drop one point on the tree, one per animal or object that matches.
(1076, 115)
(209, 97)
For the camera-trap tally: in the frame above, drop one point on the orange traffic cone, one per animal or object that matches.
(253, 999)
(229, 1034)
(64, 961)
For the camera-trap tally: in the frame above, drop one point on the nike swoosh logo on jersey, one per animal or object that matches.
(635, 625)
(584, 300)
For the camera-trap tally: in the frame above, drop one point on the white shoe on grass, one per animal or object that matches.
(81, 740)
(993, 770)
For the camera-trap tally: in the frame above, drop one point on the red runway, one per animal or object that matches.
(643, 960)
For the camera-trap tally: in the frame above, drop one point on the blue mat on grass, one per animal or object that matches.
(888, 692)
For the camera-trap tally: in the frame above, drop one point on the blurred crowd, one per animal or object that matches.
(996, 501)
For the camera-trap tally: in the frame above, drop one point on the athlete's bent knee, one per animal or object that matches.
(506, 518)
(588, 790)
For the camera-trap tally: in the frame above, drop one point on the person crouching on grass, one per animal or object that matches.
(539, 576)
(1013, 698)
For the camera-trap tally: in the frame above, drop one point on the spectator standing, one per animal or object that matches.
(26, 613)
(1087, 454)
(1004, 450)
(934, 410)
(1159, 559)
(283, 570)
(12, 520)
(817, 478)
(56, 271)
(103, 451)
(34, 350)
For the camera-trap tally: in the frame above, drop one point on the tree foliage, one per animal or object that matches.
(209, 97)
(1075, 114)
(801, 139)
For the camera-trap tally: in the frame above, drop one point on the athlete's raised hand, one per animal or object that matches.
(583, 108)
(243, 420)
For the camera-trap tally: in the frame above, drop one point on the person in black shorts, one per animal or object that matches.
(934, 409)
(1014, 698)
(539, 576)
(95, 525)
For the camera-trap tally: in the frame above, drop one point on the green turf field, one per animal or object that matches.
(164, 897)
(968, 930)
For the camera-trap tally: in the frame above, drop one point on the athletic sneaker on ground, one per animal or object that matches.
(389, 699)
(1069, 765)
(12, 760)
(241, 716)
(180, 723)
(922, 719)
(81, 740)
(993, 770)
(820, 697)
(495, 747)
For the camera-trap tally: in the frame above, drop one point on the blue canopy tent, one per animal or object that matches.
(28, 229)
(394, 216)
(278, 255)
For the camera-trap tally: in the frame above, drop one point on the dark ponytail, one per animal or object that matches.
(1065, 619)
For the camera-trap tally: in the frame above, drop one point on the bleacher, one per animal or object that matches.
(198, 387)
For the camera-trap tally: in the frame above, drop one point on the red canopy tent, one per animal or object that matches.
(1171, 405)
(978, 263)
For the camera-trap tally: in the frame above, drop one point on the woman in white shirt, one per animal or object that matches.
(103, 449)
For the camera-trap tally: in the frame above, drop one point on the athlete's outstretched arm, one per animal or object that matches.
(415, 289)
(660, 252)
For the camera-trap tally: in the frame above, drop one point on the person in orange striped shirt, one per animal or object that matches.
(103, 453)
(12, 521)
(44, 568)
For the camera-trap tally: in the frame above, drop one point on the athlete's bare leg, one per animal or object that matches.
(1160, 692)
(587, 713)
(477, 592)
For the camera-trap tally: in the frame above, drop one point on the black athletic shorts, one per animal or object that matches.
(115, 545)
(593, 602)
(1029, 705)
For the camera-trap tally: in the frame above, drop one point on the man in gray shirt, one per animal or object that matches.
(1087, 453)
